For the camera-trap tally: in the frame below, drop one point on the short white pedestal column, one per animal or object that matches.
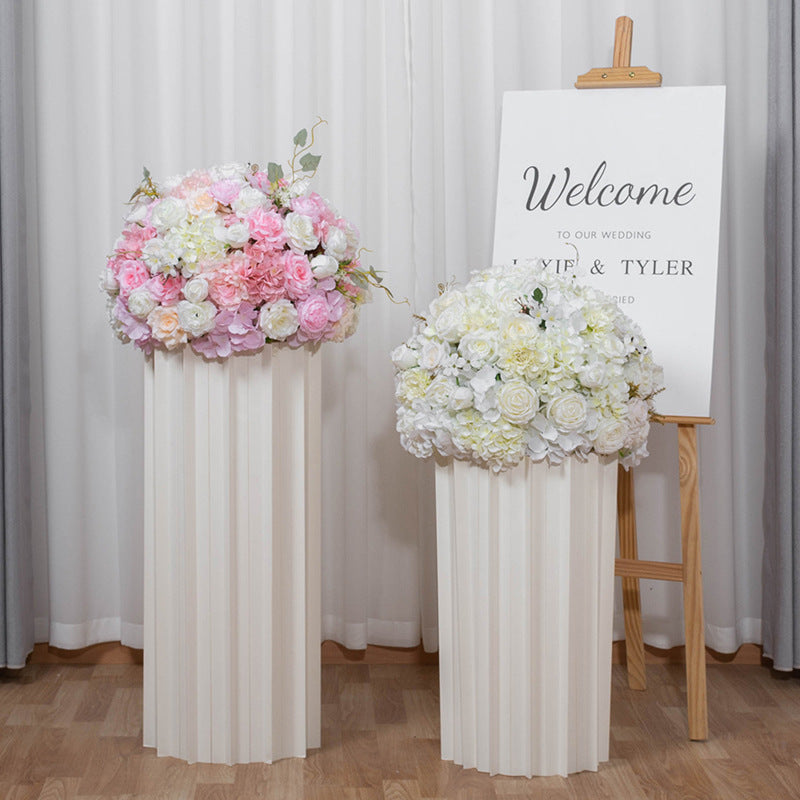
(232, 571)
(526, 576)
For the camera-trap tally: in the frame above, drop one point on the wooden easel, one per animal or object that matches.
(628, 565)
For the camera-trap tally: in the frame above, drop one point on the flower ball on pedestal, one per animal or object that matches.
(530, 389)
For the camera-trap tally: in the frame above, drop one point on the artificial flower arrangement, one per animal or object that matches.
(525, 363)
(232, 257)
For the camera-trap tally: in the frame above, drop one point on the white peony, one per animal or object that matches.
(249, 198)
(279, 321)
(169, 213)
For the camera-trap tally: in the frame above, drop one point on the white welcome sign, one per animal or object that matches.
(632, 178)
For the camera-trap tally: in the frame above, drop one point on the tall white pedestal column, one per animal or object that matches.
(526, 576)
(232, 543)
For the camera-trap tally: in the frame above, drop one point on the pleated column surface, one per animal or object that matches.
(526, 578)
(232, 538)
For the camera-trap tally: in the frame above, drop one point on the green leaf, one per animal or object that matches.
(309, 163)
(146, 173)
(274, 172)
(538, 295)
(300, 138)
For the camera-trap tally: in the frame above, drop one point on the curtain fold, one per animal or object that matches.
(781, 577)
(16, 578)
(412, 91)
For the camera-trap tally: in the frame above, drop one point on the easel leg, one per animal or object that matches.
(692, 584)
(631, 599)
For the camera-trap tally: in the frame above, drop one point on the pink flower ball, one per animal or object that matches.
(299, 277)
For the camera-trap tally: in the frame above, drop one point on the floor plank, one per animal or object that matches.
(74, 732)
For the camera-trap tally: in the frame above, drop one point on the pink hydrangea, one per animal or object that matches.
(234, 331)
(266, 280)
(134, 237)
(137, 330)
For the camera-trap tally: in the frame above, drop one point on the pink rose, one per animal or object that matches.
(131, 275)
(299, 277)
(227, 286)
(313, 316)
(266, 226)
(225, 192)
(266, 280)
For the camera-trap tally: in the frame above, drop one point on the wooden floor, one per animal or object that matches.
(75, 732)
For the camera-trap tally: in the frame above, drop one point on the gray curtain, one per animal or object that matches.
(781, 597)
(16, 583)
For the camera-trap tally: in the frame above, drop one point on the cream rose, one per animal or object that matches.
(166, 326)
(517, 402)
(323, 266)
(567, 411)
(169, 213)
(196, 290)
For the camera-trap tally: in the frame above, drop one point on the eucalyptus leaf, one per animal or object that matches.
(308, 163)
(300, 138)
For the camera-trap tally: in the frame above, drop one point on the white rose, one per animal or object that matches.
(279, 321)
(196, 290)
(567, 411)
(432, 354)
(612, 346)
(141, 302)
(403, 357)
(236, 235)
(593, 374)
(517, 401)
(300, 230)
(196, 318)
(169, 213)
(461, 398)
(477, 348)
(323, 266)
(336, 243)
(610, 436)
(449, 324)
(248, 199)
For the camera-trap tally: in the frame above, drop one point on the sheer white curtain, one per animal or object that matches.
(411, 90)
